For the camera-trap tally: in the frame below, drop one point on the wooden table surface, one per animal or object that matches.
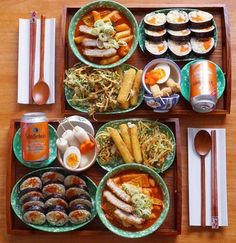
(10, 11)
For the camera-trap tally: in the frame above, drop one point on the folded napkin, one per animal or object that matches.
(23, 59)
(194, 180)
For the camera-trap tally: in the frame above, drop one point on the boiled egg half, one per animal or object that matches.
(72, 158)
(163, 73)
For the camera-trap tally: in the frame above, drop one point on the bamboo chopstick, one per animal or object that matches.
(33, 28)
(214, 192)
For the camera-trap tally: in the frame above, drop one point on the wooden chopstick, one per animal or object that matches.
(214, 192)
(33, 29)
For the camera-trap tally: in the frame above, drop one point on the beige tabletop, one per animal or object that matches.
(10, 12)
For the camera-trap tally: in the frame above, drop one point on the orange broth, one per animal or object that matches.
(80, 47)
(109, 209)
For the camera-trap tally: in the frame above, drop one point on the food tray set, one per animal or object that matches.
(172, 178)
(220, 56)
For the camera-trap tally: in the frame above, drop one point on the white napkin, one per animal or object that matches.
(23, 58)
(194, 180)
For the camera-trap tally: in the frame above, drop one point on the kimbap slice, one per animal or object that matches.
(156, 49)
(32, 203)
(155, 21)
(34, 198)
(200, 19)
(72, 192)
(79, 186)
(203, 33)
(179, 35)
(202, 46)
(81, 199)
(79, 213)
(155, 36)
(56, 201)
(73, 180)
(56, 215)
(177, 20)
(34, 215)
(28, 190)
(53, 189)
(52, 177)
(32, 182)
(179, 49)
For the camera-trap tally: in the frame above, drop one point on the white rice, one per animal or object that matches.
(205, 30)
(155, 33)
(204, 15)
(185, 32)
(159, 18)
(176, 47)
(198, 45)
(174, 15)
(153, 47)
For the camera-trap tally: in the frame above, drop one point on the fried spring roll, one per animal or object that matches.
(135, 143)
(110, 60)
(126, 85)
(123, 34)
(124, 105)
(124, 131)
(121, 27)
(121, 146)
(136, 88)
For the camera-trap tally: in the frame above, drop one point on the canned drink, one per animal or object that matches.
(34, 137)
(203, 86)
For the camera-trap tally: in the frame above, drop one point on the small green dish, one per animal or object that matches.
(159, 181)
(102, 4)
(16, 205)
(36, 165)
(185, 83)
(81, 107)
(119, 161)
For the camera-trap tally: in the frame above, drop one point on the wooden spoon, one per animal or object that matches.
(202, 143)
(41, 90)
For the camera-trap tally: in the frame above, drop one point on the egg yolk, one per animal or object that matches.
(72, 160)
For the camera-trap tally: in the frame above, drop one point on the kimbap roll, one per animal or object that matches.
(34, 198)
(34, 215)
(200, 19)
(32, 182)
(179, 49)
(81, 199)
(56, 215)
(31, 194)
(177, 20)
(155, 21)
(51, 176)
(53, 188)
(27, 190)
(79, 214)
(155, 36)
(179, 35)
(54, 200)
(72, 192)
(202, 46)
(203, 33)
(156, 49)
(72, 180)
(31, 204)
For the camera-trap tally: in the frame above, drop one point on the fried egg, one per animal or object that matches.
(72, 158)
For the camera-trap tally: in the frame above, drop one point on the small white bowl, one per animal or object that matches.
(91, 157)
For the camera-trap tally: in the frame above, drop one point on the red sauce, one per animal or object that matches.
(109, 209)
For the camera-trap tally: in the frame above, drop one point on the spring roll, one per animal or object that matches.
(175, 87)
(121, 27)
(136, 87)
(121, 146)
(122, 34)
(126, 85)
(124, 131)
(109, 60)
(124, 105)
(135, 143)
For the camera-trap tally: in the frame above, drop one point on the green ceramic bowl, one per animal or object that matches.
(102, 4)
(119, 161)
(83, 107)
(52, 149)
(16, 205)
(185, 83)
(169, 55)
(159, 181)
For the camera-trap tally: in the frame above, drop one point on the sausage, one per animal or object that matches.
(100, 52)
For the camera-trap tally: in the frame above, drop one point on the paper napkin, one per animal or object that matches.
(194, 180)
(23, 58)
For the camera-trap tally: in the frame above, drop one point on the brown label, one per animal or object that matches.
(203, 79)
(35, 141)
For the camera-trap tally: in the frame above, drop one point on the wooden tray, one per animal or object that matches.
(221, 56)
(172, 177)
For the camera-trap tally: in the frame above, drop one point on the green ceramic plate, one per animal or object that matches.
(159, 181)
(119, 161)
(102, 4)
(52, 149)
(82, 107)
(185, 84)
(16, 205)
(191, 56)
